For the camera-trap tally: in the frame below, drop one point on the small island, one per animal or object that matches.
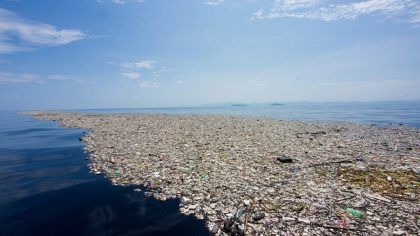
(239, 105)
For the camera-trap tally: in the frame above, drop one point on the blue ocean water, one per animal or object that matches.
(46, 188)
(384, 113)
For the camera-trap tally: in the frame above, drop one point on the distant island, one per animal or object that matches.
(238, 105)
(277, 104)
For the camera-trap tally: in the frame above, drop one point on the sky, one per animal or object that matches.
(57, 54)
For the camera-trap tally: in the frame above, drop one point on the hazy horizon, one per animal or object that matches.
(148, 54)
(225, 105)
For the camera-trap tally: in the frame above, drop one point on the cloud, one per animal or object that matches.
(329, 10)
(214, 2)
(295, 4)
(19, 34)
(131, 75)
(415, 18)
(6, 77)
(25, 78)
(121, 2)
(147, 65)
(7, 48)
(149, 84)
(130, 70)
(60, 77)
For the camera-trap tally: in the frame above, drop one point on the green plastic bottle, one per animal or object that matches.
(354, 212)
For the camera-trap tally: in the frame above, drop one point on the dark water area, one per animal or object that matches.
(46, 189)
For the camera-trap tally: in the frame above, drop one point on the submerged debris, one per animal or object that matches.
(344, 178)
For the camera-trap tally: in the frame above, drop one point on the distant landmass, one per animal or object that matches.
(277, 104)
(238, 105)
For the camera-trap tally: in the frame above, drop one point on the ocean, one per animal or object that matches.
(381, 113)
(46, 188)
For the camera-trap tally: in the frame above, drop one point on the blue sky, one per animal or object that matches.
(153, 53)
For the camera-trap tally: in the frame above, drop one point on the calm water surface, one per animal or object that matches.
(407, 113)
(46, 188)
